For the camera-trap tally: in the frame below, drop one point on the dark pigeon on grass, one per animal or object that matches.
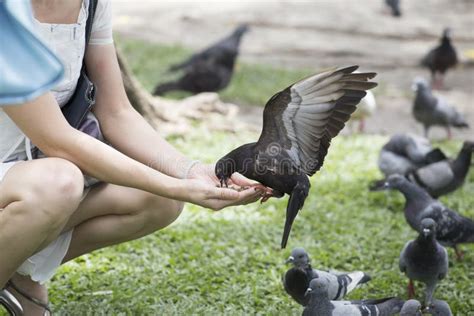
(208, 71)
(394, 6)
(424, 260)
(440, 59)
(431, 110)
(439, 308)
(437, 178)
(321, 305)
(299, 123)
(411, 308)
(297, 278)
(452, 228)
(405, 153)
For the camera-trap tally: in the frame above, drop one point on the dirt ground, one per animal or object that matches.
(323, 33)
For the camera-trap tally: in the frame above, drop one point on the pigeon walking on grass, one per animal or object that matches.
(424, 260)
(297, 278)
(439, 308)
(437, 178)
(411, 308)
(430, 110)
(321, 305)
(208, 71)
(440, 59)
(298, 125)
(445, 176)
(404, 153)
(452, 228)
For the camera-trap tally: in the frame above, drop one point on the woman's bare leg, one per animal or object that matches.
(112, 214)
(36, 200)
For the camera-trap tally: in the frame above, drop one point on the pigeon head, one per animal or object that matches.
(411, 308)
(394, 181)
(447, 33)
(419, 84)
(317, 287)
(299, 257)
(428, 227)
(242, 29)
(225, 167)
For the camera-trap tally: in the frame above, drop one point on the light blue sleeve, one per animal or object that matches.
(27, 67)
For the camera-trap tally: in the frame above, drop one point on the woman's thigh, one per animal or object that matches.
(108, 199)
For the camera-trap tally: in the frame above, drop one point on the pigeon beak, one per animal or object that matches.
(308, 292)
(426, 232)
(290, 259)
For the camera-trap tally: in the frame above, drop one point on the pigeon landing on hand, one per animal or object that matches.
(411, 308)
(298, 125)
(430, 110)
(321, 305)
(440, 59)
(452, 228)
(296, 279)
(425, 260)
(208, 71)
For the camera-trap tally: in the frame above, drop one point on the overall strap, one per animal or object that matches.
(90, 20)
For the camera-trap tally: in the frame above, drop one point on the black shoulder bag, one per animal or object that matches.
(83, 98)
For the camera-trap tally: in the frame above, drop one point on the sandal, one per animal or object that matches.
(10, 303)
(47, 309)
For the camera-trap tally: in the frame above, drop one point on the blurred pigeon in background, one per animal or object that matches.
(444, 176)
(440, 59)
(439, 308)
(394, 6)
(437, 178)
(297, 278)
(208, 71)
(321, 305)
(430, 110)
(404, 153)
(298, 125)
(452, 228)
(424, 260)
(365, 109)
(411, 308)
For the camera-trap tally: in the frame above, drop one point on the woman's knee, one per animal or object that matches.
(53, 190)
(160, 212)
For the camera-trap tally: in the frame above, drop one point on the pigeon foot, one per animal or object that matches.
(411, 290)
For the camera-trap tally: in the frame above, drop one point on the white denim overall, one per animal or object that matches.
(67, 41)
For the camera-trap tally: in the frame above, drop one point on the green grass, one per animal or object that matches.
(229, 262)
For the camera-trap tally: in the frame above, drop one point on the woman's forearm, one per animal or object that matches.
(44, 124)
(129, 132)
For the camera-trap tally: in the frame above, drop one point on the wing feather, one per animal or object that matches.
(304, 117)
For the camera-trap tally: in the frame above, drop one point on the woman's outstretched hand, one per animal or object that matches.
(204, 189)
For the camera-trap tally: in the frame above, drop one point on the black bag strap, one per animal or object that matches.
(90, 21)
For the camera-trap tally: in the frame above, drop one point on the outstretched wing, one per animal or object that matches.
(303, 118)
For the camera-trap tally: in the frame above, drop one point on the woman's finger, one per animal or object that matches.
(223, 194)
(243, 181)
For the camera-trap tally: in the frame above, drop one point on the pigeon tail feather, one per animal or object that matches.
(297, 197)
